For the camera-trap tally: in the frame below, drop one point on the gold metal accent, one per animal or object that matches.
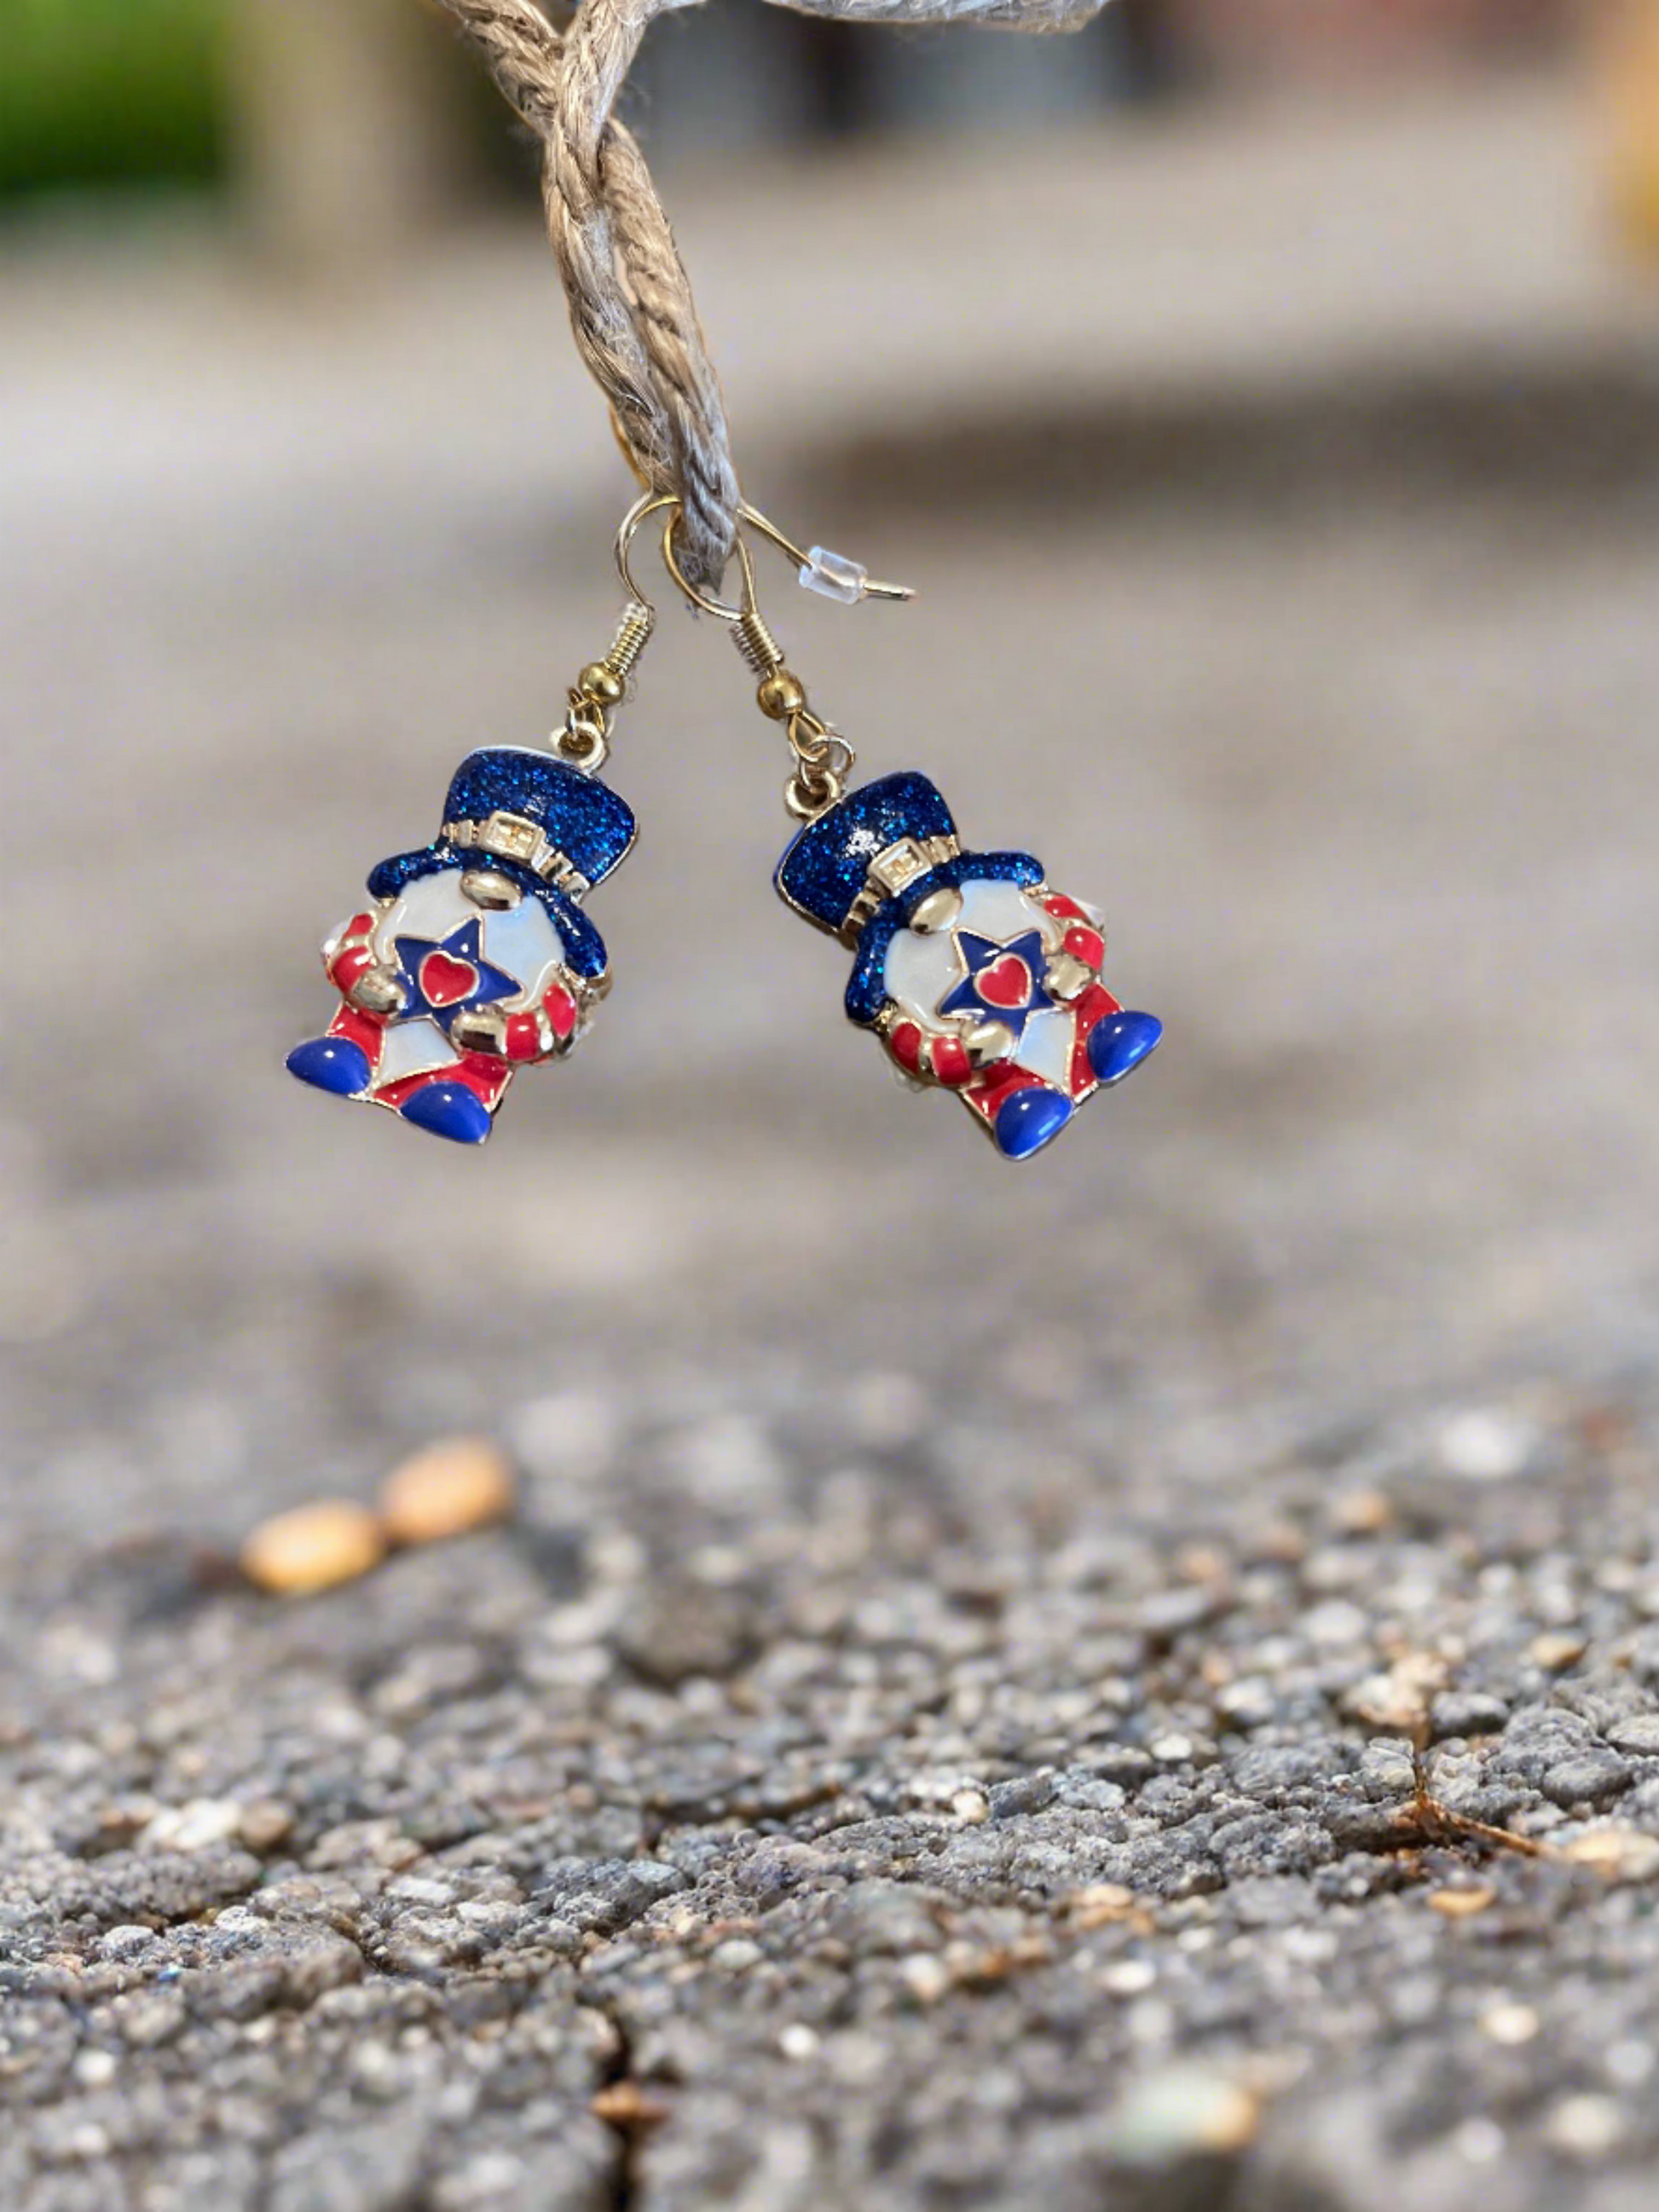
(937, 912)
(378, 991)
(514, 837)
(900, 864)
(495, 893)
(780, 694)
(511, 835)
(823, 758)
(1066, 976)
(887, 876)
(585, 739)
(480, 1028)
(601, 683)
(987, 1043)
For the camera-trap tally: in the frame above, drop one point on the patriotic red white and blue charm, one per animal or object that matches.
(976, 976)
(471, 957)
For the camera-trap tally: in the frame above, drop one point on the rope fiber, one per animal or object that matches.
(631, 307)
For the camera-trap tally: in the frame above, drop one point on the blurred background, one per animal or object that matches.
(1263, 398)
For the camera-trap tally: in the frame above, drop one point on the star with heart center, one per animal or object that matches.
(1004, 983)
(443, 976)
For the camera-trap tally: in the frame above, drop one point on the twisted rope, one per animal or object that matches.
(631, 308)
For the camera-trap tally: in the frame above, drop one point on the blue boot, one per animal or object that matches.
(448, 1109)
(1027, 1120)
(331, 1063)
(1120, 1042)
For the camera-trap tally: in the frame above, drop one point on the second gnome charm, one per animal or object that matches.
(473, 957)
(975, 975)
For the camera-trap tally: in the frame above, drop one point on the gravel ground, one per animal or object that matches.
(1133, 1684)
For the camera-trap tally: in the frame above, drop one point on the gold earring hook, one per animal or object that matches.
(585, 739)
(824, 759)
(648, 504)
(823, 571)
(829, 573)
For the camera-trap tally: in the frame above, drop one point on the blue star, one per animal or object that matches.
(985, 961)
(463, 945)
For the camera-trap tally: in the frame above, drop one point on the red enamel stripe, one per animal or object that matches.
(904, 1043)
(951, 1065)
(348, 964)
(358, 1029)
(997, 1083)
(560, 1010)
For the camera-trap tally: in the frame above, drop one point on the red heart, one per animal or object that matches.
(445, 980)
(1005, 982)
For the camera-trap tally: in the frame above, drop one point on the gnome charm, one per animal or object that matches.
(976, 977)
(473, 957)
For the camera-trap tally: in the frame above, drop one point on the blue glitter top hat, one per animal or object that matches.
(541, 823)
(582, 818)
(861, 869)
(829, 863)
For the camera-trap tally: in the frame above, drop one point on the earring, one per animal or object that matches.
(977, 976)
(472, 957)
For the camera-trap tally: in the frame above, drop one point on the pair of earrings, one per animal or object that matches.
(472, 957)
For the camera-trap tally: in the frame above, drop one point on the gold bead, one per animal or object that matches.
(987, 1043)
(601, 683)
(1066, 976)
(780, 694)
(938, 911)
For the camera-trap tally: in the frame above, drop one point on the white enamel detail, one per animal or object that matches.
(432, 905)
(522, 941)
(413, 1047)
(1004, 911)
(921, 971)
(1046, 1046)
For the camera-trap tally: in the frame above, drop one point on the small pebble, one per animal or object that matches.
(147, 2021)
(1461, 1903)
(1361, 1513)
(1629, 2061)
(460, 1484)
(798, 2041)
(1585, 2126)
(194, 1827)
(626, 2104)
(1510, 2023)
(927, 1978)
(1556, 1650)
(313, 1547)
(266, 1823)
(1180, 2110)
(1487, 1443)
(1100, 1904)
(1480, 2141)
(124, 1942)
(1621, 1854)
